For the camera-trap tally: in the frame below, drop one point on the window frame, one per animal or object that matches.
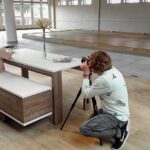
(128, 2)
(31, 2)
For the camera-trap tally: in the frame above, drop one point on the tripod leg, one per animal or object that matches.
(72, 106)
(86, 104)
(100, 141)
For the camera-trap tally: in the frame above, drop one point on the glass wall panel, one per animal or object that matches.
(126, 1)
(27, 14)
(44, 1)
(26, 1)
(86, 2)
(45, 13)
(2, 12)
(132, 1)
(73, 2)
(37, 1)
(115, 1)
(17, 1)
(18, 9)
(62, 2)
(36, 11)
(1, 21)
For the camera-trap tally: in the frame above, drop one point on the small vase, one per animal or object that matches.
(44, 47)
(44, 53)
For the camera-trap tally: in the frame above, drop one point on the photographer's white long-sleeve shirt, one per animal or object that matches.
(111, 88)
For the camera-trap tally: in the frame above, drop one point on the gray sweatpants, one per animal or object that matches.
(102, 125)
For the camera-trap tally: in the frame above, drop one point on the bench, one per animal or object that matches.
(23, 100)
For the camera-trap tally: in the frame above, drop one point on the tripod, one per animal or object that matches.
(95, 110)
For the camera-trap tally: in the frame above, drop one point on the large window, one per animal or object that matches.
(114, 1)
(18, 10)
(26, 1)
(126, 1)
(86, 2)
(27, 14)
(74, 2)
(2, 18)
(45, 11)
(1, 10)
(132, 1)
(27, 11)
(62, 3)
(36, 11)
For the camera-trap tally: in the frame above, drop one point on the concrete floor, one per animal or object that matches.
(44, 136)
(112, 41)
(132, 65)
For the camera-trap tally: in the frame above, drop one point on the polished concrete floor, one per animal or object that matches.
(43, 135)
(128, 64)
(110, 41)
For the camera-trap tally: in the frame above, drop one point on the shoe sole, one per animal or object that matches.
(122, 144)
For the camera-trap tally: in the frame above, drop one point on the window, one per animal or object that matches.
(62, 2)
(2, 18)
(27, 11)
(18, 10)
(86, 2)
(26, 1)
(126, 1)
(132, 1)
(114, 1)
(36, 1)
(44, 1)
(45, 11)
(27, 14)
(36, 11)
(73, 2)
(17, 1)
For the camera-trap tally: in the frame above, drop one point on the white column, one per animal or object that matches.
(52, 12)
(10, 24)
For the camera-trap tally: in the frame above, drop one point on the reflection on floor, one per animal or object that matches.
(113, 41)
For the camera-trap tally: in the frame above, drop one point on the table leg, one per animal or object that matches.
(57, 97)
(2, 116)
(25, 72)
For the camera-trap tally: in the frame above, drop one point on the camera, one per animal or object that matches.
(84, 59)
(87, 59)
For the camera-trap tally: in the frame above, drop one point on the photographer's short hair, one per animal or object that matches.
(100, 61)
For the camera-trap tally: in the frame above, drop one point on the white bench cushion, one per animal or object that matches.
(20, 86)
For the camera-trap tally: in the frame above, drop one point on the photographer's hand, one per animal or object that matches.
(86, 70)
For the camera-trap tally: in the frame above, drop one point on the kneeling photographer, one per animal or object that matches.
(111, 120)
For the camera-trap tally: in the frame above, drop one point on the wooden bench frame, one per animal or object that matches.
(26, 110)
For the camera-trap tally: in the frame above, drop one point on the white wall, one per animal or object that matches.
(126, 17)
(77, 17)
(119, 17)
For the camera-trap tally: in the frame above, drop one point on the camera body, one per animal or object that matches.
(84, 59)
(87, 59)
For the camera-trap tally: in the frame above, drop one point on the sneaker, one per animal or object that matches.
(119, 142)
